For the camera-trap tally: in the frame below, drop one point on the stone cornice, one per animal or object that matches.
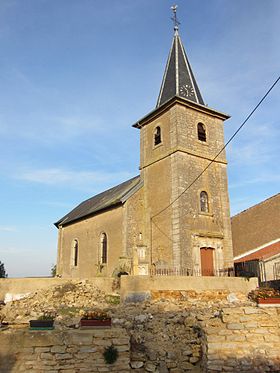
(208, 234)
(183, 102)
(182, 150)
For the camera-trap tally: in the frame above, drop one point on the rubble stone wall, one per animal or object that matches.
(15, 286)
(242, 339)
(161, 338)
(68, 351)
(175, 331)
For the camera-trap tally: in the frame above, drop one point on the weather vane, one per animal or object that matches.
(174, 18)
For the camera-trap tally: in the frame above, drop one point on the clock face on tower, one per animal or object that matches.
(186, 91)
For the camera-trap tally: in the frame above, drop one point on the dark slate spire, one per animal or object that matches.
(178, 79)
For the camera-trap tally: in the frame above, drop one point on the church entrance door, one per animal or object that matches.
(207, 265)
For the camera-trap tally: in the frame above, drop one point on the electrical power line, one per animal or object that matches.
(222, 149)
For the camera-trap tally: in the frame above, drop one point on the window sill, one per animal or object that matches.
(206, 214)
(158, 145)
(204, 143)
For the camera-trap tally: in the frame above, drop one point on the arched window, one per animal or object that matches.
(157, 136)
(103, 249)
(201, 132)
(204, 206)
(75, 248)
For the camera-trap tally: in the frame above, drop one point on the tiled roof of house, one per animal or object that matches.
(261, 254)
(257, 226)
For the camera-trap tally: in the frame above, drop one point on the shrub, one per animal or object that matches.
(110, 354)
(3, 273)
(112, 299)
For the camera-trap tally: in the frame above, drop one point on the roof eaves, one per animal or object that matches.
(256, 205)
(180, 100)
(105, 203)
(256, 249)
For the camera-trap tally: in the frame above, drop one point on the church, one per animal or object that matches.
(174, 217)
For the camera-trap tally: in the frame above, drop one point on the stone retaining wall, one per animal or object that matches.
(242, 339)
(139, 285)
(68, 351)
(133, 284)
(17, 286)
(164, 336)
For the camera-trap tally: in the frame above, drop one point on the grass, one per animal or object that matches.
(112, 299)
(69, 311)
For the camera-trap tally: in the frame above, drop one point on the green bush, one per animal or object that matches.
(3, 273)
(47, 316)
(110, 354)
(112, 299)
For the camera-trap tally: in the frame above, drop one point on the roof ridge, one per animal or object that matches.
(100, 201)
(108, 190)
(257, 204)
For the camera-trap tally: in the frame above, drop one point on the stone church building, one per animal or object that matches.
(168, 219)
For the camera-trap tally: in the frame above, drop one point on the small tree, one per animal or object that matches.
(3, 273)
(53, 270)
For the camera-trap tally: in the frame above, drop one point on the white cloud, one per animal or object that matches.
(262, 179)
(247, 154)
(51, 130)
(7, 228)
(257, 146)
(76, 179)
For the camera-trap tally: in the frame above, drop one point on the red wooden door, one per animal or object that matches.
(207, 266)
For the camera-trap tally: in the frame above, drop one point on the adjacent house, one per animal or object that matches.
(256, 239)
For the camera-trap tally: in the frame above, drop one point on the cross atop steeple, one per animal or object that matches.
(178, 79)
(174, 18)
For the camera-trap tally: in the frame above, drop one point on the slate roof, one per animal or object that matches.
(111, 197)
(178, 79)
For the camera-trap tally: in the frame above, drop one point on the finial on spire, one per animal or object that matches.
(174, 18)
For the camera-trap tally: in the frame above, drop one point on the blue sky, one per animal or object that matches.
(74, 76)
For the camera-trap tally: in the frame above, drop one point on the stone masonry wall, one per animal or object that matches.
(242, 339)
(68, 351)
(232, 339)
(174, 331)
(88, 233)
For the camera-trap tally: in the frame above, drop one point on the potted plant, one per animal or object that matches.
(95, 319)
(266, 297)
(44, 322)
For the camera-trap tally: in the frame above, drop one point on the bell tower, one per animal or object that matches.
(186, 201)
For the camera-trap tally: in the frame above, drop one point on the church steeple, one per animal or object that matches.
(178, 79)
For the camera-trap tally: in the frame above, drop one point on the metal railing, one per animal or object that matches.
(277, 271)
(169, 271)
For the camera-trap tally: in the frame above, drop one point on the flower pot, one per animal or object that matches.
(95, 323)
(41, 324)
(268, 302)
